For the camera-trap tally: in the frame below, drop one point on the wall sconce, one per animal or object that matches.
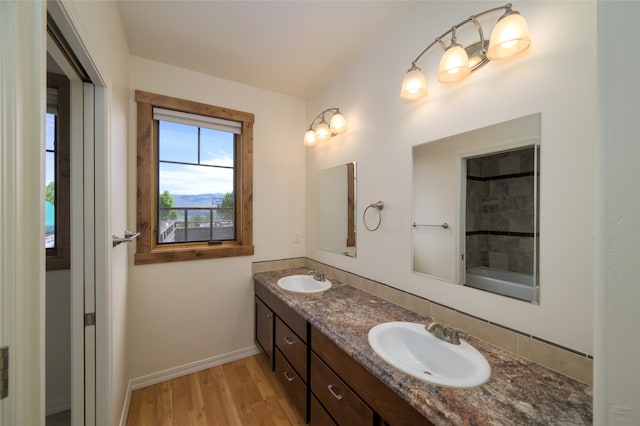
(323, 130)
(510, 37)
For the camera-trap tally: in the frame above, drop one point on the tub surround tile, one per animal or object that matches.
(518, 392)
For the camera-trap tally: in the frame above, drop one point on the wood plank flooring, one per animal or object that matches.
(243, 392)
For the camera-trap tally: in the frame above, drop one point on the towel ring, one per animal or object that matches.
(378, 206)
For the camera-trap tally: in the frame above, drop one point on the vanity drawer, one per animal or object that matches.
(292, 347)
(387, 404)
(318, 415)
(338, 398)
(291, 383)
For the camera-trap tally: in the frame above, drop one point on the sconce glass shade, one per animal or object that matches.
(310, 138)
(509, 37)
(454, 65)
(414, 84)
(338, 123)
(323, 131)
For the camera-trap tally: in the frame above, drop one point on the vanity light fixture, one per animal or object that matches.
(323, 130)
(509, 37)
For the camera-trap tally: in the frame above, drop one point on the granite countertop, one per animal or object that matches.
(519, 391)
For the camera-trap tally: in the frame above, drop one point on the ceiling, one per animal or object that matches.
(291, 47)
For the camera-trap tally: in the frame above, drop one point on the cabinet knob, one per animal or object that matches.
(269, 315)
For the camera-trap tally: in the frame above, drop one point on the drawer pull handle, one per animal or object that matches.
(286, 376)
(289, 341)
(335, 395)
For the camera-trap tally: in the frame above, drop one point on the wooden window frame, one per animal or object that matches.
(59, 258)
(148, 250)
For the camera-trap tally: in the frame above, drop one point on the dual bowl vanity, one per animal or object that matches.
(347, 357)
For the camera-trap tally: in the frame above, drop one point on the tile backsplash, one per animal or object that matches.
(573, 364)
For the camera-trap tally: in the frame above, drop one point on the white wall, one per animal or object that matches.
(200, 311)
(556, 77)
(617, 372)
(104, 37)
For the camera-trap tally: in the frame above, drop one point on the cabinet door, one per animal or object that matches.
(340, 401)
(264, 330)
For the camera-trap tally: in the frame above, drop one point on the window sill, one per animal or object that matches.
(56, 263)
(184, 252)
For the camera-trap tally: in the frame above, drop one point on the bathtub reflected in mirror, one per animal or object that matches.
(485, 185)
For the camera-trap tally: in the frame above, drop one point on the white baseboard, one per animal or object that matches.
(182, 370)
(125, 406)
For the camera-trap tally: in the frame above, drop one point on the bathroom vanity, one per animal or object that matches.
(316, 344)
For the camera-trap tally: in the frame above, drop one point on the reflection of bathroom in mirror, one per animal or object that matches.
(501, 222)
(337, 209)
(484, 184)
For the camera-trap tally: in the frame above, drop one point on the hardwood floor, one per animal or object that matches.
(243, 392)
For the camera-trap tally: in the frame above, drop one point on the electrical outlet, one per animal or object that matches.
(296, 237)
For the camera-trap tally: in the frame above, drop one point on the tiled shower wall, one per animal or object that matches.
(500, 210)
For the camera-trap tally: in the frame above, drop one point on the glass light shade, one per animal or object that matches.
(310, 138)
(338, 123)
(414, 85)
(454, 65)
(322, 131)
(509, 37)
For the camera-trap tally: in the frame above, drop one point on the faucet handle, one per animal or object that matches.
(455, 335)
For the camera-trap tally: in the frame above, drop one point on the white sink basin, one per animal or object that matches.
(303, 284)
(411, 348)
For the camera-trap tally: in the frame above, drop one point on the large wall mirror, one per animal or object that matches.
(476, 209)
(337, 209)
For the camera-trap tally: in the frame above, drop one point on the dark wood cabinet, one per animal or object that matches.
(292, 347)
(318, 415)
(292, 383)
(264, 321)
(326, 385)
(387, 405)
(342, 403)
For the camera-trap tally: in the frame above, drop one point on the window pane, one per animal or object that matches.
(178, 142)
(50, 198)
(202, 194)
(50, 132)
(216, 147)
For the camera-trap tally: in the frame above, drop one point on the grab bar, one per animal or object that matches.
(443, 226)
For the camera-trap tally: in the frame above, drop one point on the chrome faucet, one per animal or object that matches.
(317, 275)
(446, 333)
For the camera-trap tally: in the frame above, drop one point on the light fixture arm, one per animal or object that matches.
(321, 116)
(474, 20)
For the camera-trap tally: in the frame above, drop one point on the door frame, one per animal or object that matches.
(22, 254)
(22, 259)
(91, 279)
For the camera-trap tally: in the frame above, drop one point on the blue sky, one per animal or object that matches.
(180, 143)
(50, 124)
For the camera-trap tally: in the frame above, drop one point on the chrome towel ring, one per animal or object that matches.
(378, 206)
